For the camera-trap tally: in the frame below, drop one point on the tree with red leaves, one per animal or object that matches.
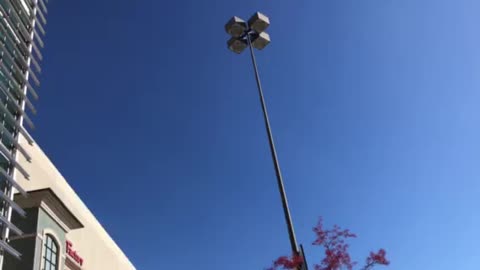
(336, 252)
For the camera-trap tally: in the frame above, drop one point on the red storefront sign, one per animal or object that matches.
(73, 254)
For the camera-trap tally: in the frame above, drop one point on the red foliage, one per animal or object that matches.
(376, 258)
(337, 256)
(336, 250)
(285, 262)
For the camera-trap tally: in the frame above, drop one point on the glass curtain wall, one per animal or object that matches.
(21, 30)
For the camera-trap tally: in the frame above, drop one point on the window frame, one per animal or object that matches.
(53, 247)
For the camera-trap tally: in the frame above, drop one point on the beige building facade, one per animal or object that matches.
(60, 232)
(46, 226)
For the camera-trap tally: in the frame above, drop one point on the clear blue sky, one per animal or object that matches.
(374, 106)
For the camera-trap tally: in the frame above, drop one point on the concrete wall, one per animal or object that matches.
(47, 225)
(93, 243)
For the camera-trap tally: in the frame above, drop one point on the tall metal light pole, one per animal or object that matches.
(253, 35)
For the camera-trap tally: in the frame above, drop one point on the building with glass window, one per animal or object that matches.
(21, 30)
(43, 223)
(59, 231)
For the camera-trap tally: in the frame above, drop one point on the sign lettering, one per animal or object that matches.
(73, 254)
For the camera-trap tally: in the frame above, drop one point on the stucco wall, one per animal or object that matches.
(93, 243)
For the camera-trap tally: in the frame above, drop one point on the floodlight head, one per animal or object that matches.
(236, 27)
(261, 40)
(259, 22)
(236, 45)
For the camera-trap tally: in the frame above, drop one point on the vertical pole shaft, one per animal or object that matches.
(304, 264)
(283, 195)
